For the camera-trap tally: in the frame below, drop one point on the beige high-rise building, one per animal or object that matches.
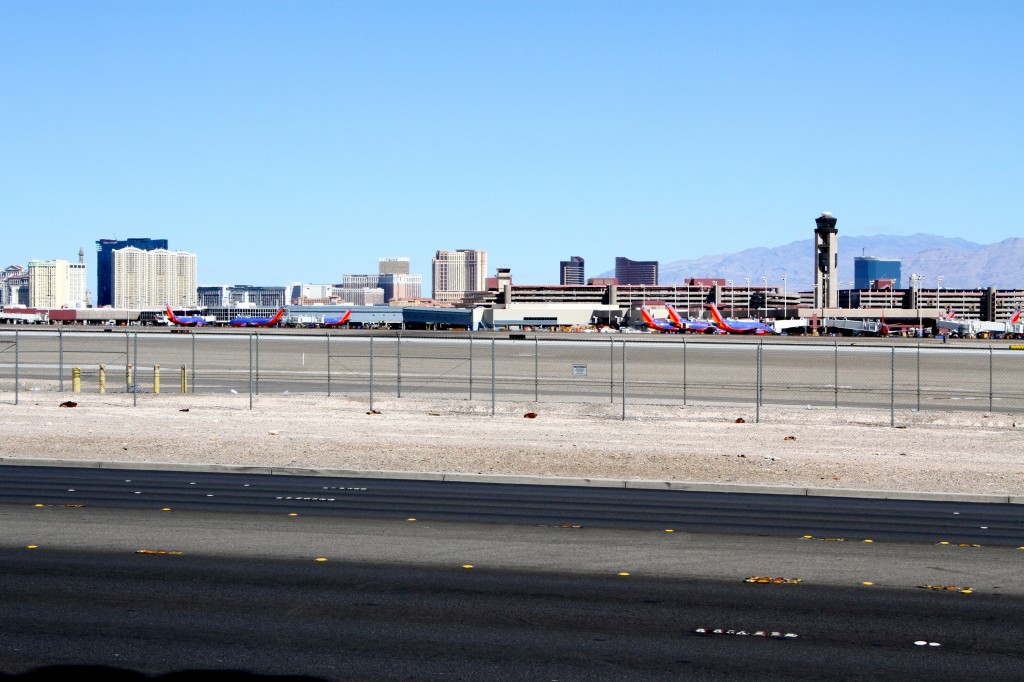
(48, 284)
(153, 279)
(458, 273)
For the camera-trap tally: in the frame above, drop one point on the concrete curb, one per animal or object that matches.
(507, 479)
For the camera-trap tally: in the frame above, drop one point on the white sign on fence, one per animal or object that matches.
(579, 370)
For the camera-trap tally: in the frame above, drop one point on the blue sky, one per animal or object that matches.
(300, 141)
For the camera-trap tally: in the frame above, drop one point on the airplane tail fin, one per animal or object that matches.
(277, 318)
(715, 315)
(170, 315)
(1016, 317)
(646, 315)
(673, 315)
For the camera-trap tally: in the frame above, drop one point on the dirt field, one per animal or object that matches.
(955, 452)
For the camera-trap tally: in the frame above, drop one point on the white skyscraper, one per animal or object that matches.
(153, 279)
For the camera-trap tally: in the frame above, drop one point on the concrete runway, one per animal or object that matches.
(659, 370)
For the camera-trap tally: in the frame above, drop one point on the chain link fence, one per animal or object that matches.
(119, 367)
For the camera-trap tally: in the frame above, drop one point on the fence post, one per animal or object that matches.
(892, 386)
(103, 379)
(250, 371)
(156, 378)
(184, 381)
(76, 380)
(493, 373)
(192, 333)
(60, 353)
(990, 384)
(471, 365)
(257, 363)
(623, 380)
(127, 362)
(398, 367)
(17, 367)
(328, 334)
(371, 371)
(135, 378)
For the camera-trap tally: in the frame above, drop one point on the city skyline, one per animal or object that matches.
(655, 131)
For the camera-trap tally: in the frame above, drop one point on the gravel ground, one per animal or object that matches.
(958, 452)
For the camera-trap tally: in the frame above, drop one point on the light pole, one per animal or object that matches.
(916, 281)
(732, 301)
(785, 299)
(746, 302)
(764, 287)
(938, 292)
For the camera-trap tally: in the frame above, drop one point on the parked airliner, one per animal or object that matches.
(185, 320)
(739, 326)
(257, 321)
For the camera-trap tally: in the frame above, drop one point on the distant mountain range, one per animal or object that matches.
(962, 264)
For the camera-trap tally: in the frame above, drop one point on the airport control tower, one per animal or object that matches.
(826, 262)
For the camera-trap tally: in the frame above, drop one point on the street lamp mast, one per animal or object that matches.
(916, 280)
(764, 286)
(785, 299)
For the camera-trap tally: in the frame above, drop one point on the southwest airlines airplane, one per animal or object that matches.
(185, 321)
(337, 321)
(257, 321)
(739, 326)
(655, 324)
(688, 325)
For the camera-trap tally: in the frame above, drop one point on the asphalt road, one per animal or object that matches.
(274, 586)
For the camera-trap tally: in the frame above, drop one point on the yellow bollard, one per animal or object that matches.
(76, 380)
(103, 380)
(184, 384)
(156, 378)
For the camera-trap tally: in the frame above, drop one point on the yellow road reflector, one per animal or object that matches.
(623, 573)
(411, 519)
(943, 543)
(166, 509)
(669, 530)
(320, 558)
(868, 540)
(808, 537)
(867, 582)
(158, 551)
(39, 505)
(293, 514)
(467, 565)
(32, 547)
